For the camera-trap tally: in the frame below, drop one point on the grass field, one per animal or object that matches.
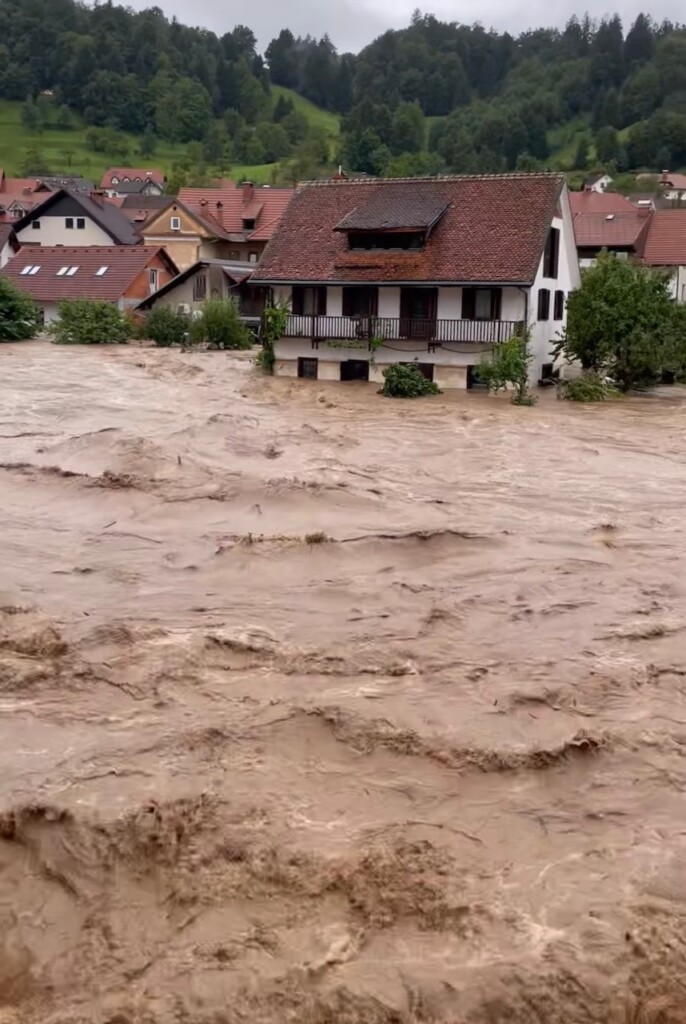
(68, 152)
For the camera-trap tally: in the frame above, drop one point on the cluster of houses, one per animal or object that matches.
(428, 271)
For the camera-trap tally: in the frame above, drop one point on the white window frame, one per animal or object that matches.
(175, 223)
(102, 271)
(72, 271)
(153, 278)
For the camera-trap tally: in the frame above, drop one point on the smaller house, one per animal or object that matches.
(620, 233)
(212, 279)
(9, 243)
(673, 186)
(71, 218)
(665, 247)
(599, 183)
(117, 180)
(123, 275)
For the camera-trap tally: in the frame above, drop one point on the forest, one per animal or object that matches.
(433, 97)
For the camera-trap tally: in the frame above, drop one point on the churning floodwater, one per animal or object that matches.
(326, 708)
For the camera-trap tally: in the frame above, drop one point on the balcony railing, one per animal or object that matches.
(432, 331)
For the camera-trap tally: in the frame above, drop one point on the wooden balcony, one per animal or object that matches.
(432, 332)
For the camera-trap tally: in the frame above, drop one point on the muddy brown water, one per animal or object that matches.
(324, 708)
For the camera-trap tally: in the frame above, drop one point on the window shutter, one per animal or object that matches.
(468, 303)
(348, 298)
(298, 300)
(543, 304)
(496, 303)
(320, 304)
(373, 301)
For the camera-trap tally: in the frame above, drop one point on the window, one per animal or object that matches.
(362, 301)
(81, 223)
(253, 257)
(175, 223)
(481, 303)
(62, 271)
(69, 223)
(248, 223)
(26, 270)
(71, 271)
(543, 304)
(385, 240)
(308, 368)
(199, 287)
(559, 306)
(153, 273)
(309, 301)
(551, 256)
(35, 224)
(101, 272)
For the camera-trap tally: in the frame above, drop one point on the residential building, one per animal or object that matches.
(9, 243)
(429, 271)
(233, 222)
(117, 180)
(599, 202)
(673, 186)
(212, 279)
(620, 233)
(70, 218)
(665, 247)
(598, 183)
(123, 275)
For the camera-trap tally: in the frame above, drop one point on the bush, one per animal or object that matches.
(590, 387)
(508, 366)
(406, 382)
(19, 317)
(220, 326)
(164, 327)
(90, 322)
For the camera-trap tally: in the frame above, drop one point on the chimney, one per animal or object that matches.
(664, 178)
(220, 213)
(248, 192)
(644, 211)
(340, 175)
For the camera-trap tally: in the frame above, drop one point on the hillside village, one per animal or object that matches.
(435, 271)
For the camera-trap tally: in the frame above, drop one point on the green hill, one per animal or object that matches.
(317, 117)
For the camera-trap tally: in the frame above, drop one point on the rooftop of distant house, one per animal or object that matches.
(116, 175)
(611, 230)
(240, 210)
(453, 229)
(665, 242)
(54, 273)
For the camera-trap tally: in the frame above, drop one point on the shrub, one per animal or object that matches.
(220, 326)
(164, 327)
(18, 313)
(90, 322)
(508, 366)
(406, 382)
(274, 325)
(590, 387)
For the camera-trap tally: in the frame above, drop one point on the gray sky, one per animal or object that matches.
(352, 24)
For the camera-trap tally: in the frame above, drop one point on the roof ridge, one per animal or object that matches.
(507, 176)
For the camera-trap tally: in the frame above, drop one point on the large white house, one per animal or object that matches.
(431, 271)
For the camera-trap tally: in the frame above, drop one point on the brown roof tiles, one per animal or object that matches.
(123, 264)
(493, 230)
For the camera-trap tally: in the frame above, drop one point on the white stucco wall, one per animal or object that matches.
(6, 254)
(53, 232)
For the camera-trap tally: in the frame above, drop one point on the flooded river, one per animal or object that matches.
(323, 708)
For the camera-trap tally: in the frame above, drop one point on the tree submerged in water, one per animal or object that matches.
(508, 367)
(406, 381)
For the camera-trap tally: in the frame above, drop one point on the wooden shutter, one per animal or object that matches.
(468, 303)
(373, 301)
(298, 300)
(496, 303)
(348, 301)
(320, 301)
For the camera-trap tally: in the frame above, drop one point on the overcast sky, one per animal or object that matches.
(352, 24)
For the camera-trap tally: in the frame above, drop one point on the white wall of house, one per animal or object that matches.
(6, 254)
(52, 231)
(546, 332)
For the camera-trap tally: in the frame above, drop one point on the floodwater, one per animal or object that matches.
(323, 708)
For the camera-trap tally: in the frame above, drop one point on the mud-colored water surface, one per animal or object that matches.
(322, 708)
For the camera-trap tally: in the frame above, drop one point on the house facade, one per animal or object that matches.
(433, 271)
(211, 279)
(123, 275)
(600, 183)
(230, 222)
(72, 219)
(9, 244)
(121, 180)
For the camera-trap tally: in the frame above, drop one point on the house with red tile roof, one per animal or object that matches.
(124, 180)
(73, 218)
(622, 233)
(231, 222)
(121, 274)
(429, 271)
(665, 247)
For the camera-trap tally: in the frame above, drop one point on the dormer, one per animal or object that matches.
(382, 225)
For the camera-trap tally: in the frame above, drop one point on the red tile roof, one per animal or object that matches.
(610, 230)
(494, 230)
(131, 173)
(124, 263)
(665, 243)
(263, 205)
(599, 202)
(675, 181)
(7, 234)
